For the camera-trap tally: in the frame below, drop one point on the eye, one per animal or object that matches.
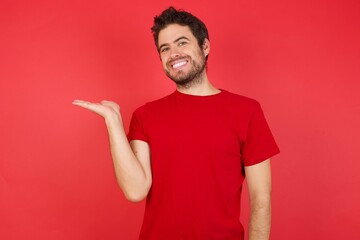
(182, 43)
(164, 49)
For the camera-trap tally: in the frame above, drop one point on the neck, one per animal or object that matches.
(200, 86)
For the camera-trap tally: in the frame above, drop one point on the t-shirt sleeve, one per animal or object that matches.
(136, 129)
(259, 144)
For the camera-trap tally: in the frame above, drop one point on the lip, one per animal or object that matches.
(178, 63)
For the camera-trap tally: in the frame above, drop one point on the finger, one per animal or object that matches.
(77, 101)
(94, 107)
(81, 103)
(88, 105)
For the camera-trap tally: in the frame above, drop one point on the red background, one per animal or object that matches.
(300, 59)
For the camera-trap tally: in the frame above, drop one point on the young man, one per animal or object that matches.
(190, 151)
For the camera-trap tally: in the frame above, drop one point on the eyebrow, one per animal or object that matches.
(177, 40)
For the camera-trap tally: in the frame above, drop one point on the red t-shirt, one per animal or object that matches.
(199, 146)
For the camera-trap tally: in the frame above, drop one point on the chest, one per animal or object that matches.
(218, 131)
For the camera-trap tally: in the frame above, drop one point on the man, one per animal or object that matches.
(190, 151)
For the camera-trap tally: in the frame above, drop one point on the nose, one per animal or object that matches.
(174, 53)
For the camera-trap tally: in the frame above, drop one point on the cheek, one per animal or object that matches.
(164, 65)
(163, 61)
(192, 54)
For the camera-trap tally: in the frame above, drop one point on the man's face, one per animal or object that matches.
(182, 58)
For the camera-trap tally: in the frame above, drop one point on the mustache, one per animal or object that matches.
(176, 59)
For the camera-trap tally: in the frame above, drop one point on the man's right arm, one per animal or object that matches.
(131, 161)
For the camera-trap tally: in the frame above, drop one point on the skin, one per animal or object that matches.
(177, 44)
(183, 61)
(131, 160)
(258, 178)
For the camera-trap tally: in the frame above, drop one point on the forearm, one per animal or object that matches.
(260, 221)
(129, 173)
(132, 167)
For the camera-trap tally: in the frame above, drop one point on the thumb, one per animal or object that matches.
(111, 104)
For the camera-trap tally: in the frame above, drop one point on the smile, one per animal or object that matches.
(179, 64)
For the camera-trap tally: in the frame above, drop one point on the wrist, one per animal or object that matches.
(113, 119)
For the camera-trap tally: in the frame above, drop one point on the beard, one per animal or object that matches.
(193, 76)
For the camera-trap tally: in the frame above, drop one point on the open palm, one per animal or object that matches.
(104, 108)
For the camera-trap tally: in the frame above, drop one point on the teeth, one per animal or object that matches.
(179, 64)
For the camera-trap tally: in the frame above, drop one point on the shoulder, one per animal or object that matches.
(240, 101)
(154, 105)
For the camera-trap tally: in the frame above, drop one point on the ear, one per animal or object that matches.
(206, 46)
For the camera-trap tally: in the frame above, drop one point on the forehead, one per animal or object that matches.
(172, 32)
